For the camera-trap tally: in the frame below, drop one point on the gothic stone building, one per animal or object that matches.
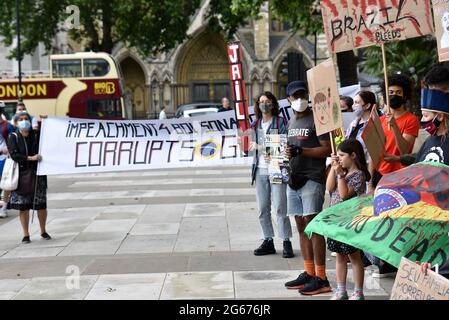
(197, 70)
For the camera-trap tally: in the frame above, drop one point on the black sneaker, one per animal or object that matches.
(46, 236)
(267, 247)
(26, 239)
(288, 250)
(366, 262)
(299, 282)
(385, 270)
(316, 286)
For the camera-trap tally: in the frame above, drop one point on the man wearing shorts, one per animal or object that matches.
(305, 192)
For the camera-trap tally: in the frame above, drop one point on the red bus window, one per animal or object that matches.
(107, 109)
(95, 67)
(66, 68)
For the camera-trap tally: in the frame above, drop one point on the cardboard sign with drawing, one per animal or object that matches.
(355, 24)
(441, 14)
(325, 97)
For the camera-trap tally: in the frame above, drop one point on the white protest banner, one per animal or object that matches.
(325, 98)
(70, 145)
(350, 91)
(350, 24)
(412, 284)
(441, 15)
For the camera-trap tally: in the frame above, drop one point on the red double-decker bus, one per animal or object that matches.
(79, 85)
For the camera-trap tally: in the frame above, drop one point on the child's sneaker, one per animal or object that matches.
(340, 295)
(357, 296)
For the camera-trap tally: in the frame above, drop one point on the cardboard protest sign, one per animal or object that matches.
(275, 148)
(235, 56)
(374, 137)
(412, 284)
(441, 15)
(322, 82)
(350, 24)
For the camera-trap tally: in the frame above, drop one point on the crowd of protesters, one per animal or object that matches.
(351, 172)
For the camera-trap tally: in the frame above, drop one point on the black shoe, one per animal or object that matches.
(316, 286)
(386, 270)
(46, 236)
(366, 262)
(26, 239)
(299, 282)
(267, 247)
(288, 250)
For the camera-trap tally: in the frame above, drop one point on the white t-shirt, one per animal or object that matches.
(265, 126)
(162, 115)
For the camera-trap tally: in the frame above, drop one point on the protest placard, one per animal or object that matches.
(322, 83)
(412, 284)
(355, 24)
(275, 150)
(235, 57)
(374, 137)
(69, 145)
(441, 15)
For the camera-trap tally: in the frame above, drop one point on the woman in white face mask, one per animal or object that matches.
(23, 146)
(268, 121)
(364, 102)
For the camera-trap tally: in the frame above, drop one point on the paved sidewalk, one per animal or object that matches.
(182, 234)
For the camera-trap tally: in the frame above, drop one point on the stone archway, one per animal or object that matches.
(134, 79)
(202, 71)
(281, 71)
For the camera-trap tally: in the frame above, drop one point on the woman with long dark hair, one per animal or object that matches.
(268, 121)
(346, 180)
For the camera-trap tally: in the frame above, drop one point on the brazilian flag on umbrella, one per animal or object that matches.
(408, 216)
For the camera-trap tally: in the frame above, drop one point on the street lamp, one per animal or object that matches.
(19, 54)
(316, 12)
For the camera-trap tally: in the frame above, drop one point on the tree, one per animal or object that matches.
(150, 26)
(303, 16)
(412, 57)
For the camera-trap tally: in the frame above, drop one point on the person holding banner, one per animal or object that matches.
(364, 102)
(23, 146)
(435, 120)
(401, 127)
(443, 270)
(6, 129)
(346, 180)
(305, 191)
(268, 121)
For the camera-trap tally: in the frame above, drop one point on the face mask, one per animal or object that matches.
(396, 101)
(358, 109)
(300, 105)
(431, 126)
(24, 125)
(265, 107)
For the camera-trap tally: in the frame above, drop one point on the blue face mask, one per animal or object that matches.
(24, 125)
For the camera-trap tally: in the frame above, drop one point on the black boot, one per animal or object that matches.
(288, 250)
(267, 247)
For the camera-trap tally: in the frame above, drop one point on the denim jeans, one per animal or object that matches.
(266, 193)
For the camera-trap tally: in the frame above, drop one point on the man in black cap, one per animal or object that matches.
(305, 191)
